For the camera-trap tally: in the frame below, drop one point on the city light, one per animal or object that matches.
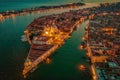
(94, 74)
(46, 32)
(81, 67)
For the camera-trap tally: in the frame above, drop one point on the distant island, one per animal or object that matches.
(13, 13)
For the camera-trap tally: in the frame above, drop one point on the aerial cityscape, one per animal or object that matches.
(60, 40)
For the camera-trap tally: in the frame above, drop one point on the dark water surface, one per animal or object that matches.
(65, 61)
(9, 5)
(13, 52)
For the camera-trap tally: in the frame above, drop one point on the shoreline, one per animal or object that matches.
(104, 53)
(50, 29)
(13, 14)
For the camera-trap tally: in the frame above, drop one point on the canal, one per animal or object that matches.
(65, 60)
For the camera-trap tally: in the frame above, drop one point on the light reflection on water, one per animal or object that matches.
(13, 53)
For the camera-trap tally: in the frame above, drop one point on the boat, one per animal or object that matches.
(81, 47)
(48, 61)
(82, 67)
(23, 38)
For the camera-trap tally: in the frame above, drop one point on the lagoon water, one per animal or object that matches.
(13, 52)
